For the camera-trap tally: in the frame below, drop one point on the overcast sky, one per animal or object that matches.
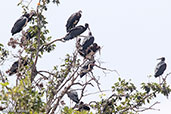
(133, 33)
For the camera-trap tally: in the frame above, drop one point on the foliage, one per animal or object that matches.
(67, 110)
(3, 54)
(127, 99)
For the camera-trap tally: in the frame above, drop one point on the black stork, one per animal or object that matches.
(76, 31)
(15, 65)
(73, 20)
(160, 68)
(88, 41)
(83, 106)
(21, 22)
(88, 66)
(73, 95)
(91, 50)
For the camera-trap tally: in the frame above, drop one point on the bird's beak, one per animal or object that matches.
(80, 11)
(159, 58)
(89, 29)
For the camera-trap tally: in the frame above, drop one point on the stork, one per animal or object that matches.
(14, 67)
(87, 41)
(76, 31)
(87, 68)
(73, 95)
(22, 22)
(91, 50)
(160, 68)
(83, 106)
(73, 20)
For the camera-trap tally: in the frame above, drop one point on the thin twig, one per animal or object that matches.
(107, 69)
(29, 3)
(46, 72)
(96, 92)
(149, 108)
(59, 39)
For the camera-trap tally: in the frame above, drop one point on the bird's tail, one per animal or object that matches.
(156, 76)
(82, 74)
(67, 37)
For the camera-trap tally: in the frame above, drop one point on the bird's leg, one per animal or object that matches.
(163, 79)
(159, 80)
(89, 29)
(70, 103)
(82, 36)
(86, 78)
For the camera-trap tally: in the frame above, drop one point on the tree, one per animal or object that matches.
(42, 91)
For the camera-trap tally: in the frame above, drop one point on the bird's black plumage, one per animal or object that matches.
(83, 106)
(160, 68)
(91, 50)
(14, 67)
(73, 20)
(88, 66)
(89, 40)
(76, 31)
(21, 22)
(73, 95)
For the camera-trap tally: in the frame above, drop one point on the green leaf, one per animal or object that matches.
(4, 84)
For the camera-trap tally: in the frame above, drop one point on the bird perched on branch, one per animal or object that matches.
(88, 41)
(83, 106)
(21, 22)
(73, 95)
(76, 31)
(87, 68)
(91, 51)
(160, 68)
(15, 65)
(73, 20)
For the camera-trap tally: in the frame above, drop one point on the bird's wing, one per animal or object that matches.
(73, 20)
(70, 19)
(19, 24)
(161, 67)
(77, 30)
(68, 37)
(73, 95)
(87, 42)
(13, 68)
(158, 66)
(21, 21)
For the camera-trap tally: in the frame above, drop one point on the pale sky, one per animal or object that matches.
(133, 33)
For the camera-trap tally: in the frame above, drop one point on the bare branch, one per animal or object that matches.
(59, 39)
(46, 72)
(96, 92)
(29, 3)
(149, 108)
(97, 82)
(107, 69)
